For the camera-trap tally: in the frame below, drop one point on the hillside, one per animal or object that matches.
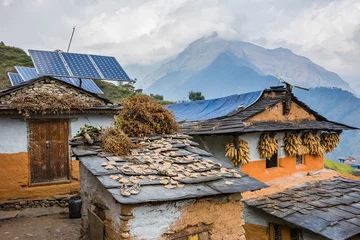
(201, 55)
(10, 57)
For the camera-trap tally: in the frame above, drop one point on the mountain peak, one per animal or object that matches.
(199, 54)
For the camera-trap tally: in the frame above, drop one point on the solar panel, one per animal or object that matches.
(75, 65)
(88, 85)
(15, 78)
(27, 73)
(110, 68)
(80, 65)
(48, 63)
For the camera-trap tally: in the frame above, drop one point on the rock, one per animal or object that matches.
(17, 207)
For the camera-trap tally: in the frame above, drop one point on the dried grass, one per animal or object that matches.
(142, 116)
(43, 103)
(113, 140)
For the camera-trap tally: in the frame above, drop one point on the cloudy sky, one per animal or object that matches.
(150, 31)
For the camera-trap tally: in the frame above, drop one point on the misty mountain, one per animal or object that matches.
(199, 60)
(220, 78)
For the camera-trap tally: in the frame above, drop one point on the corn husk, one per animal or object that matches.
(267, 146)
(238, 156)
(329, 141)
(312, 143)
(294, 146)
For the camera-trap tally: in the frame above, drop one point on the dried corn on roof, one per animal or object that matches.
(330, 207)
(164, 168)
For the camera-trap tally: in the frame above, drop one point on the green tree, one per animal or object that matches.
(157, 96)
(195, 96)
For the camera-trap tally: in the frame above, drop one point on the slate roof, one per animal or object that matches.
(167, 168)
(330, 208)
(234, 122)
(28, 83)
(108, 106)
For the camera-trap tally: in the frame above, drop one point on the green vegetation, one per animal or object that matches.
(194, 96)
(10, 57)
(112, 92)
(341, 168)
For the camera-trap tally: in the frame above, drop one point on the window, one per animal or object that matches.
(273, 161)
(283, 232)
(299, 159)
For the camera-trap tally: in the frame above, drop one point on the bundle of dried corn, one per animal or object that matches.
(267, 146)
(142, 115)
(238, 156)
(114, 140)
(90, 134)
(329, 141)
(293, 145)
(42, 103)
(312, 143)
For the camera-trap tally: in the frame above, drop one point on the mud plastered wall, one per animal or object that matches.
(14, 159)
(219, 217)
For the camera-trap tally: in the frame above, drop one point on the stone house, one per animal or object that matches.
(317, 210)
(35, 159)
(166, 189)
(213, 123)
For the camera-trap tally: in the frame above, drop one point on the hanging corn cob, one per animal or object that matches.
(238, 156)
(312, 143)
(267, 146)
(329, 141)
(294, 146)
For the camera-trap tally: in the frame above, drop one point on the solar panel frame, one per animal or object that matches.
(110, 68)
(80, 65)
(27, 73)
(15, 78)
(49, 63)
(88, 85)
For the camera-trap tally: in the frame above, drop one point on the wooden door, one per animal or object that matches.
(48, 150)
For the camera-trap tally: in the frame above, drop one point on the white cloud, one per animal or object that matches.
(149, 31)
(6, 3)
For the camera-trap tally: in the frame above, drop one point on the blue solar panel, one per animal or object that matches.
(80, 65)
(27, 73)
(15, 78)
(88, 85)
(48, 63)
(110, 68)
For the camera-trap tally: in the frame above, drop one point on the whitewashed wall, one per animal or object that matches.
(14, 130)
(216, 144)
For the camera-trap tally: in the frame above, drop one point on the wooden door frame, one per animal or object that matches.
(68, 149)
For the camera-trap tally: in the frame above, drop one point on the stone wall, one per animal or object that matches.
(55, 87)
(57, 200)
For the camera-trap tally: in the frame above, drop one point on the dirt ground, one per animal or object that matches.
(52, 227)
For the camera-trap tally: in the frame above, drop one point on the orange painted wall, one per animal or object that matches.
(14, 179)
(286, 167)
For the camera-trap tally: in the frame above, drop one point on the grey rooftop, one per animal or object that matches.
(167, 168)
(330, 208)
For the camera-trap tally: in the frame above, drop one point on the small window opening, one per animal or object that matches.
(299, 159)
(273, 161)
(283, 232)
